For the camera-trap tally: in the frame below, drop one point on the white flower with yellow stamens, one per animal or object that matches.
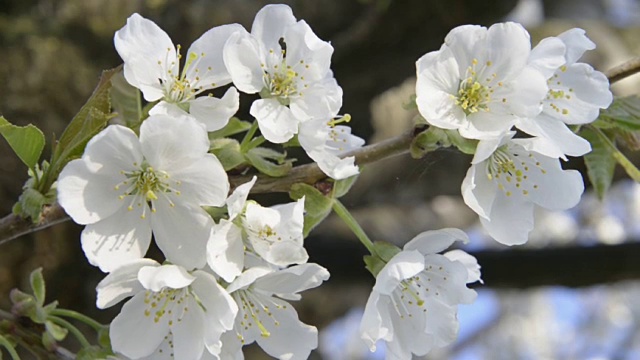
(152, 64)
(289, 66)
(414, 302)
(576, 94)
(173, 314)
(265, 318)
(124, 188)
(479, 82)
(507, 180)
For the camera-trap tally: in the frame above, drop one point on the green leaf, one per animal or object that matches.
(26, 141)
(269, 161)
(627, 165)
(37, 285)
(235, 126)
(342, 187)
(228, 152)
(316, 205)
(126, 101)
(624, 113)
(600, 163)
(91, 118)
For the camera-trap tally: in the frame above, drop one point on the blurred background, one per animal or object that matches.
(571, 293)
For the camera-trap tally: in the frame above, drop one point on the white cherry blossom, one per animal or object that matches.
(266, 318)
(173, 313)
(275, 234)
(325, 142)
(507, 180)
(576, 94)
(125, 188)
(414, 301)
(152, 64)
(479, 82)
(289, 66)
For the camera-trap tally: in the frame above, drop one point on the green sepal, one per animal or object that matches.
(103, 337)
(228, 152)
(466, 146)
(427, 141)
(31, 201)
(23, 304)
(37, 285)
(235, 126)
(342, 187)
(316, 205)
(94, 353)
(293, 142)
(126, 101)
(374, 264)
(26, 141)
(600, 163)
(56, 331)
(49, 342)
(411, 104)
(386, 250)
(269, 161)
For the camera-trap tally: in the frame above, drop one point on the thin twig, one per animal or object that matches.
(13, 226)
(623, 70)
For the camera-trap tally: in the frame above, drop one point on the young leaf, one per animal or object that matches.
(37, 285)
(600, 163)
(126, 100)
(269, 161)
(228, 152)
(316, 206)
(26, 141)
(624, 114)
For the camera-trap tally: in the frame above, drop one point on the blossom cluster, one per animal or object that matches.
(230, 264)
(486, 84)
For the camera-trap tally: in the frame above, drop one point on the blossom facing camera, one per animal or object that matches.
(152, 64)
(173, 313)
(507, 180)
(125, 188)
(413, 304)
(480, 82)
(289, 66)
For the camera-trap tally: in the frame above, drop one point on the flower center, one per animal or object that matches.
(473, 96)
(511, 170)
(184, 86)
(282, 83)
(165, 302)
(254, 312)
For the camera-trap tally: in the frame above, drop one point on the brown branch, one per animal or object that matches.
(623, 70)
(13, 226)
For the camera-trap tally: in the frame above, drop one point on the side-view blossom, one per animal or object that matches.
(264, 316)
(275, 234)
(479, 82)
(125, 188)
(576, 94)
(507, 180)
(289, 66)
(173, 313)
(325, 142)
(152, 64)
(414, 301)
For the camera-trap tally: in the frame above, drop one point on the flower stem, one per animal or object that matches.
(78, 316)
(72, 329)
(248, 136)
(10, 349)
(351, 222)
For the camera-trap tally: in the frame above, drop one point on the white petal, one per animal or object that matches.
(242, 57)
(335, 167)
(213, 112)
(446, 281)
(554, 139)
(156, 278)
(87, 196)
(443, 322)
(225, 250)
(469, 262)
(304, 45)
(208, 65)
(292, 280)
(487, 147)
(435, 241)
(466, 42)
(477, 191)
(511, 220)
(547, 56)
(182, 233)
(168, 108)
(247, 278)
(118, 239)
(376, 323)
(116, 147)
(188, 331)
(126, 329)
(526, 93)
(231, 347)
(148, 55)
(402, 266)
(270, 24)
(508, 48)
(577, 43)
(204, 182)
(220, 308)
(237, 200)
(277, 123)
(321, 100)
(163, 142)
(121, 283)
(485, 125)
